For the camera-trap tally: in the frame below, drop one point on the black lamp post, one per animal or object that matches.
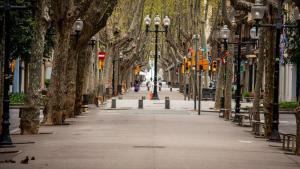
(93, 41)
(257, 12)
(196, 38)
(224, 34)
(255, 37)
(78, 26)
(166, 23)
(5, 138)
(119, 80)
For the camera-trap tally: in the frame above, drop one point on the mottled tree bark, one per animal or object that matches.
(228, 86)
(1, 69)
(298, 127)
(220, 85)
(70, 83)
(269, 68)
(29, 123)
(82, 64)
(259, 77)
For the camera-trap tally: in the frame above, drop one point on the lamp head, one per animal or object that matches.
(156, 20)
(147, 20)
(258, 10)
(167, 21)
(224, 32)
(78, 25)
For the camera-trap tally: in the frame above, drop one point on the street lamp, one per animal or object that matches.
(5, 139)
(196, 38)
(93, 41)
(166, 24)
(224, 35)
(257, 12)
(119, 84)
(78, 26)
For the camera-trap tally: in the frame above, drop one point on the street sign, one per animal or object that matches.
(101, 55)
(209, 60)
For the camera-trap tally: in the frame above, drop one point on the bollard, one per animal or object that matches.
(113, 103)
(222, 102)
(170, 89)
(143, 97)
(167, 103)
(141, 104)
(120, 97)
(159, 88)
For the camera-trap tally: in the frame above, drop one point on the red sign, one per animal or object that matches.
(101, 55)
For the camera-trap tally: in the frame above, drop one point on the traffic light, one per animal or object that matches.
(214, 66)
(137, 69)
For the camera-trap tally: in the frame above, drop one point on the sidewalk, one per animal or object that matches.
(148, 139)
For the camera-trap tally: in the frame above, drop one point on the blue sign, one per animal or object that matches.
(209, 60)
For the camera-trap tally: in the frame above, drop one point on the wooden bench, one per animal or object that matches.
(288, 141)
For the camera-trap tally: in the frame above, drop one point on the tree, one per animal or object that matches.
(293, 52)
(259, 77)
(1, 68)
(29, 123)
(65, 13)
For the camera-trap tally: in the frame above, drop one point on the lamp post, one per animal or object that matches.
(93, 41)
(224, 35)
(119, 84)
(166, 23)
(258, 12)
(78, 26)
(5, 139)
(196, 38)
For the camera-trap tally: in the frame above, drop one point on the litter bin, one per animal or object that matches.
(85, 99)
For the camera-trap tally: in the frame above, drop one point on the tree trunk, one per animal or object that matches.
(1, 69)
(298, 128)
(268, 97)
(220, 84)
(228, 86)
(82, 65)
(259, 77)
(70, 83)
(29, 123)
(55, 110)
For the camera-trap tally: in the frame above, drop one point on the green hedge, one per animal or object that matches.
(17, 98)
(288, 105)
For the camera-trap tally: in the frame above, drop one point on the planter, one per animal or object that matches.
(248, 99)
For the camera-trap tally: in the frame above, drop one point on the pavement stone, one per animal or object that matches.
(151, 138)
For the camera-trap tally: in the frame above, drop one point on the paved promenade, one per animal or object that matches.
(152, 138)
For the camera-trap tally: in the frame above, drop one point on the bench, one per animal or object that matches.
(288, 141)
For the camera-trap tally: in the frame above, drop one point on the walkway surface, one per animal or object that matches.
(152, 138)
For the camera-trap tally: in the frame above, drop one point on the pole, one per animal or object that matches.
(195, 72)
(275, 116)
(155, 95)
(113, 78)
(119, 86)
(5, 137)
(238, 77)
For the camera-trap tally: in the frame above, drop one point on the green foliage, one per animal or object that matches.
(17, 98)
(21, 23)
(293, 49)
(47, 83)
(246, 94)
(288, 105)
